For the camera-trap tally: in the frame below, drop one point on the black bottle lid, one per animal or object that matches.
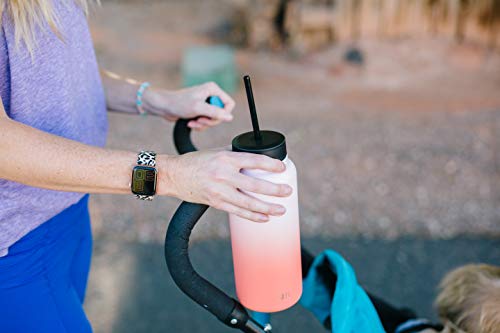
(268, 143)
(271, 144)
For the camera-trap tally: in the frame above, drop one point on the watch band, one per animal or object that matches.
(147, 158)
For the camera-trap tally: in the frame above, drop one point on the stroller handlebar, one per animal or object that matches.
(211, 298)
(182, 137)
(225, 308)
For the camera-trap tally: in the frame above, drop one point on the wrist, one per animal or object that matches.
(149, 100)
(156, 102)
(166, 166)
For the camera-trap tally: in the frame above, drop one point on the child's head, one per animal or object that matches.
(469, 299)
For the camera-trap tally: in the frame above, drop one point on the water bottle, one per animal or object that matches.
(266, 256)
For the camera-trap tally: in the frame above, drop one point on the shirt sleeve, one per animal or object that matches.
(4, 71)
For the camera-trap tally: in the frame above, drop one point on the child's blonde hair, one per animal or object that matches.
(469, 299)
(28, 14)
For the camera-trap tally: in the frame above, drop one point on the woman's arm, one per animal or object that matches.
(171, 105)
(40, 159)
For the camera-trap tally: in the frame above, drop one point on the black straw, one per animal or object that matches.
(253, 110)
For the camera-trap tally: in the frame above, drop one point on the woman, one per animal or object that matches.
(52, 129)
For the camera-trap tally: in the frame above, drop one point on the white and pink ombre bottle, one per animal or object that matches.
(266, 256)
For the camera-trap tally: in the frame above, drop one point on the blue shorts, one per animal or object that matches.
(44, 276)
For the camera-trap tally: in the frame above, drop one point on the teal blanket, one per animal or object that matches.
(350, 309)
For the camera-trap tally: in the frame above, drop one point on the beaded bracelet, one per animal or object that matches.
(138, 101)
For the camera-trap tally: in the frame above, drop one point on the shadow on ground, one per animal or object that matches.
(131, 291)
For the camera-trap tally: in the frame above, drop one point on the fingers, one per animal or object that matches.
(214, 90)
(229, 189)
(262, 162)
(245, 202)
(243, 213)
(207, 121)
(212, 115)
(202, 123)
(260, 186)
(250, 203)
(214, 112)
(196, 126)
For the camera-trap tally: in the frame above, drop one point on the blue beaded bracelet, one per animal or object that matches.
(138, 101)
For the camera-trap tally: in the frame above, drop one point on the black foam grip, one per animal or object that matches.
(182, 137)
(179, 265)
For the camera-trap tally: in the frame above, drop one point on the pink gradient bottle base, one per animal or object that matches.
(266, 256)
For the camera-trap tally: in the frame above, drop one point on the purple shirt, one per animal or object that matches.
(58, 91)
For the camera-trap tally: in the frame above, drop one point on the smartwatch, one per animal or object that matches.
(144, 176)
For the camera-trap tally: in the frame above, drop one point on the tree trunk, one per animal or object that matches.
(356, 19)
(462, 15)
(379, 9)
(493, 36)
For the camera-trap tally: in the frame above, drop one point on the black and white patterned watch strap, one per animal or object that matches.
(147, 158)
(144, 197)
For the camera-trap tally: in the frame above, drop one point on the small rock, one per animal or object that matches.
(451, 167)
(382, 189)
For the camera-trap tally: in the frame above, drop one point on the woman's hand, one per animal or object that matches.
(189, 103)
(214, 178)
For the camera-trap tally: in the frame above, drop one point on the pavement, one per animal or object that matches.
(137, 294)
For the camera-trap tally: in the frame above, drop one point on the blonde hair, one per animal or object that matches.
(29, 14)
(469, 299)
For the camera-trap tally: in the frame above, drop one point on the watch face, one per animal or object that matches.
(144, 180)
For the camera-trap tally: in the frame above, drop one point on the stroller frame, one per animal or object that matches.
(225, 308)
